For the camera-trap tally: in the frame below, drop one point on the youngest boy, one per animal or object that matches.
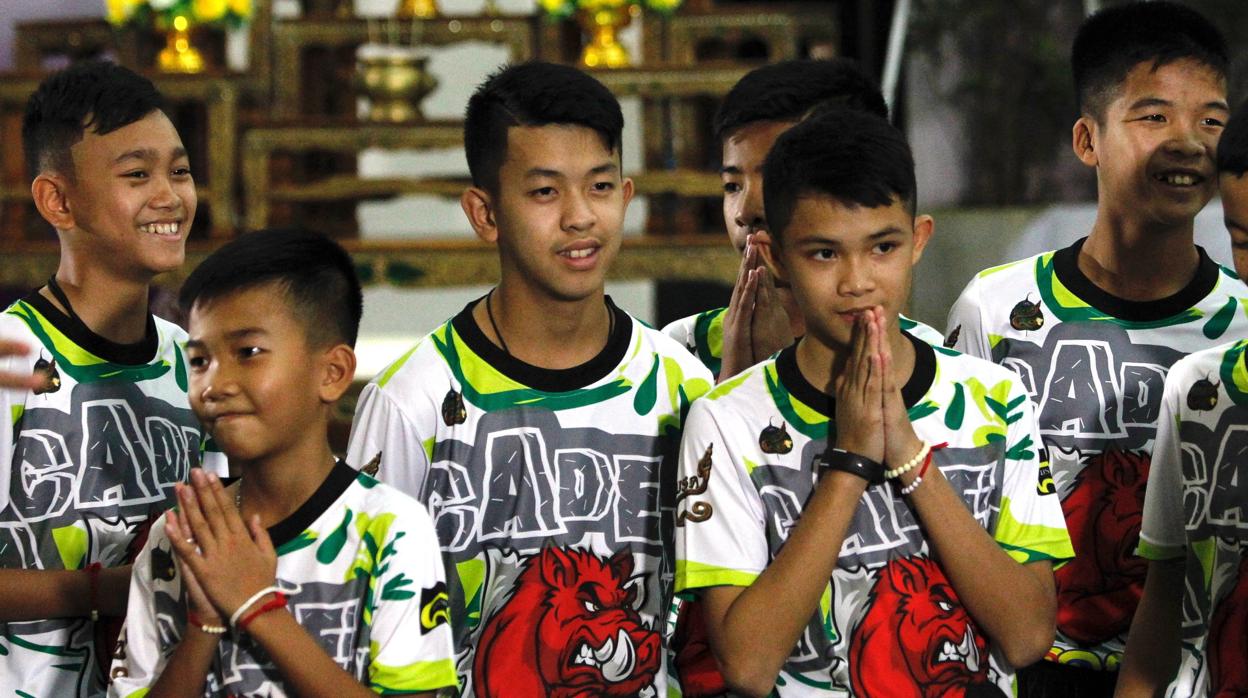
(865, 513)
(1194, 612)
(334, 585)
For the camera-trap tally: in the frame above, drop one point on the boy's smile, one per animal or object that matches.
(559, 211)
(841, 260)
(132, 194)
(1154, 150)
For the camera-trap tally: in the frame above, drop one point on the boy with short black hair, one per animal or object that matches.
(334, 585)
(1092, 329)
(761, 318)
(541, 423)
(863, 513)
(1189, 630)
(93, 446)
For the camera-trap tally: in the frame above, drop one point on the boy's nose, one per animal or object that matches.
(578, 215)
(749, 214)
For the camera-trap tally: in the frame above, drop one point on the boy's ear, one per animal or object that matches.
(478, 205)
(628, 188)
(770, 254)
(339, 371)
(1083, 137)
(924, 226)
(48, 191)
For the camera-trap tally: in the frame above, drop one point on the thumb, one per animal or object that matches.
(261, 536)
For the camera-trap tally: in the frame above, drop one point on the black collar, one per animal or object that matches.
(137, 354)
(546, 379)
(916, 386)
(1066, 269)
(337, 482)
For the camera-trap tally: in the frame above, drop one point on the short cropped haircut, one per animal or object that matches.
(792, 90)
(95, 95)
(856, 158)
(1233, 146)
(1116, 39)
(533, 94)
(317, 275)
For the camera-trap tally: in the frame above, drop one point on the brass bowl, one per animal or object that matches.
(394, 83)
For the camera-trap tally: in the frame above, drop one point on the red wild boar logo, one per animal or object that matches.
(916, 640)
(570, 630)
(1228, 641)
(1098, 591)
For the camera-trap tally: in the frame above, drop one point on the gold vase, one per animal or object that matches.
(417, 9)
(394, 84)
(603, 50)
(179, 55)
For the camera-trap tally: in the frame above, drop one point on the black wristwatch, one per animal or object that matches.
(863, 467)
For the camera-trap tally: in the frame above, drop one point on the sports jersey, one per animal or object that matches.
(360, 566)
(544, 486)
(88, 457)
(1094, 365)
(703, 335)
(889, 622)
(1196, 509)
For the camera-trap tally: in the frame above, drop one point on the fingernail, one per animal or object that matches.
(212, 477)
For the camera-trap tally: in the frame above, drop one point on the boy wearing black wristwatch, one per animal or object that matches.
(864, 514)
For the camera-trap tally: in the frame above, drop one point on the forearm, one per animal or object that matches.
(1151, 657)
(305, 667)
(755, 632)
(1015, 604)
(39, 594)
(187, 670)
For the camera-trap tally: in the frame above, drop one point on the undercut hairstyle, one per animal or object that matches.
(854, 157)
(793, 90)
(1233, 146)
(534, 94)
(1110, 43)
(93, 95)
(316, 274)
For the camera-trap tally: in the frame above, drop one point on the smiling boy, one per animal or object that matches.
(1093, 329)
(1187, 637)
(94, 448)
(541, 424)
(860, 515)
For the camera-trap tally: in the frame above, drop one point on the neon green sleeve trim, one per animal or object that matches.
(139, 693)
(1031, 542)
(698, 575)
(1153, 551)
(419, 676)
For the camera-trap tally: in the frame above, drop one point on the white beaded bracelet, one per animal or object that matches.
(238, 612)
(910, 464)
(914, 485)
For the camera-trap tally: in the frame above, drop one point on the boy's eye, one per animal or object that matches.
(1153, 117)
(197, 361)
(1217, 123)
(136, 174)
(249, 352)
(604, 186)
(182, 172)
(731, 187)
(543, 192)
(824, 255)
(885, 247)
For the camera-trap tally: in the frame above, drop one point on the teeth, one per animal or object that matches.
(604, 653)
(1182, 180)
(580, 254)
(160, 228)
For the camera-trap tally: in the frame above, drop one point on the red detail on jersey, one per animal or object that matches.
(916, 640)
(569, 630)
(1228, 641)
(695, 664)
(1098, 591)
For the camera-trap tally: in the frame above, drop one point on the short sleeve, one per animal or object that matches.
(720, 534)
(966, 326)
(1162, 533)
(385, 437)
(412, 649)
(151, 631)
(1030, 526)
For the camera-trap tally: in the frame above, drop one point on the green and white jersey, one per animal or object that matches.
(703, 335)
(87, 458)
(360, 565)
(889, 623)
(546, 488)
(1095, 366)
(1196, 510)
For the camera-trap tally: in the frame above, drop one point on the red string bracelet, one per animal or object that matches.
(204, 627)
(278, 601)
(93, 590)
(918, 479)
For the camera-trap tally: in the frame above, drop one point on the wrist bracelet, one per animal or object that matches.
(910, 464)
(278, 601)
(93, 590)
(204, 627)
(918, 480)
(238, 612)
(853, 463)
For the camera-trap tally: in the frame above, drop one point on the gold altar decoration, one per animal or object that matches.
(417, 9)
(394, 79)
(175, 18)
(601, 21)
